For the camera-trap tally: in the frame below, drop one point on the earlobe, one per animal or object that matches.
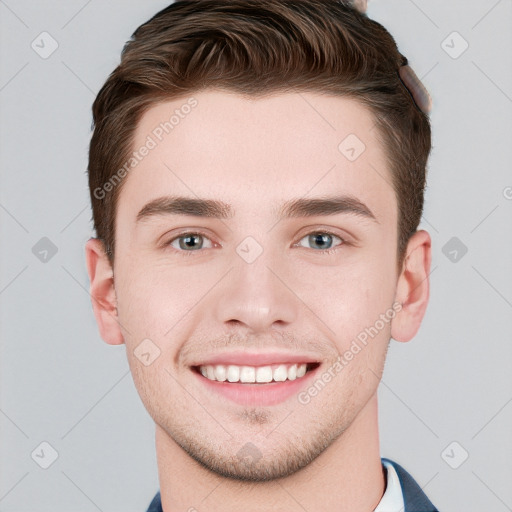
(413, 287)
(103, 295)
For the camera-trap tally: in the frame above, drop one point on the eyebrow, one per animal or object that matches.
(211, 208)
(178, 205)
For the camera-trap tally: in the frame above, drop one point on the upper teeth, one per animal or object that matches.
(233, 373)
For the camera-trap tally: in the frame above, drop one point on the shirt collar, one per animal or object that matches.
(393, 500)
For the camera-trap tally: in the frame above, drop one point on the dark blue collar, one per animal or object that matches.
(415, 499)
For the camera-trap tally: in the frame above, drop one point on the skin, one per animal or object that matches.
(255, 154)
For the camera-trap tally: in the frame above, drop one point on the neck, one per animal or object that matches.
(347, 476)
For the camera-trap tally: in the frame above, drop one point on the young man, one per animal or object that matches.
(257, 171)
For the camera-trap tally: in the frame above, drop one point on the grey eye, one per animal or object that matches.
(190, 242)
(320, 240)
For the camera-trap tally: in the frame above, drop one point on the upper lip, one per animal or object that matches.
(255, 359)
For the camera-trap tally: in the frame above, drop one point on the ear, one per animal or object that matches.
(413, 287)
(103, 295)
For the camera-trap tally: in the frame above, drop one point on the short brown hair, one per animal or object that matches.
(254, 48)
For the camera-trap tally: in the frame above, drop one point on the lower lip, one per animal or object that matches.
(272, 393)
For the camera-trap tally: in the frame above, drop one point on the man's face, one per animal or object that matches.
(257, 287)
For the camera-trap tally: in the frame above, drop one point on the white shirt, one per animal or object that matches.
(393, 500)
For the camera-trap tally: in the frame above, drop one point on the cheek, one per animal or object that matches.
(153, 299)
(351, 298)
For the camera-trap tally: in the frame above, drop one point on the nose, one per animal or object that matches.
(258, 296)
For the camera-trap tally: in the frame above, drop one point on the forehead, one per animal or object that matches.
(257, 152)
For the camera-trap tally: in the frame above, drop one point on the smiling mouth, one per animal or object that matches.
(243, 374)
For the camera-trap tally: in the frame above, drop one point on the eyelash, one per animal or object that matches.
(200, 233)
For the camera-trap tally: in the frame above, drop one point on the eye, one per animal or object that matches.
(190, 242)
(322, 240)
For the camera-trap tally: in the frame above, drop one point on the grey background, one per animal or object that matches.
(61, 384)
